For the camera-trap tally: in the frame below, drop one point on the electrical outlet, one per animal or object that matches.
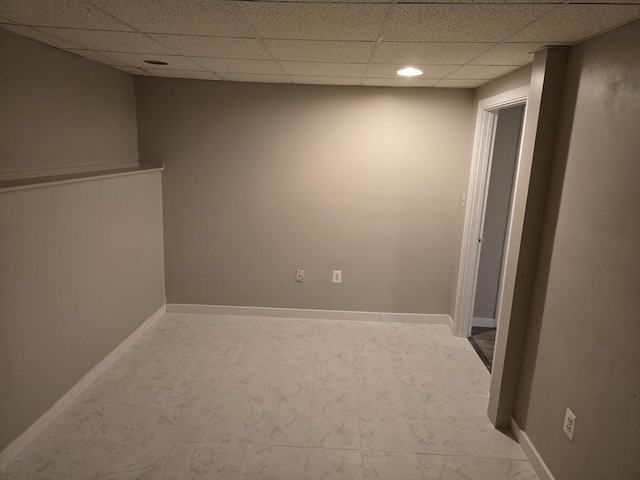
(299, 275)
(569, 425)
(337, 276)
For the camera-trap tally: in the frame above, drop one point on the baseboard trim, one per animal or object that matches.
(308, 313)
(12, 450)
(483, 322)
(532, 454)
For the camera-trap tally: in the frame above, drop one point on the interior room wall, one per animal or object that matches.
(60, 113)
(582, 349)
(503, 167)
(261, 180)
(81, 264)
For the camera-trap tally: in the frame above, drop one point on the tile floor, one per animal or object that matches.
(255, 398)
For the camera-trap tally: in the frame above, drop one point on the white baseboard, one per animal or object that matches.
(308, 313)
(14, 448)
(483, 322)
(532, 454)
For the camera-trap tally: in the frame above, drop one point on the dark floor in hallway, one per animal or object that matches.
(483, 341)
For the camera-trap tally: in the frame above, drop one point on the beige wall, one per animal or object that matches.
(81, 264)
(60, 113)
(81, 267)
(582, 343)
(263, 179)
(503, 166)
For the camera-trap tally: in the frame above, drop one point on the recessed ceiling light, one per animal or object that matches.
(409, 72)
(156, 62)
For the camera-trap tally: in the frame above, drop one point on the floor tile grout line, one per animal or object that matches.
(264, 401)
(306, 440)
(213, 408)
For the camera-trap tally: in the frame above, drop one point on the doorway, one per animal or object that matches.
(493, 233)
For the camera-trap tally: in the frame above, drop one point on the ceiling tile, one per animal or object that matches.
(175, 62)
(248, 77)
(108, 41)
(163, 72)
(571, 23)
(324, 69)
(309, 80)
(508, 54)
(39, 36)
(623, 2)
(446, 83)
(390, 71)
(96, 57)
(200, 46)
(310, 21)
(230, 65)
(188, 17)
(54, 13)
(483, 1)
(485, 72)
(407, 53)
(131, 70)
(398, 82)
(459, 23)
(320, 51)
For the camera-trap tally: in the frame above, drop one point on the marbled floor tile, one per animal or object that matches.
(108, 389)
(483, 440)
(333, 401)
(275, 463)
(150, 391)
(43, 458)
(285, 374)
(335, 376)
(291, 397)
(418, 380)
(211, 461)
(79, 420)
(332, 464)
(379, 403)
(157, 459)
(232, 427)
(387, 466)
(195, 394)
(336, 431)
(251, 373)
(436, 467)
(443, 438)
(183, 424)
(128, 422)
(212, 370)
(222, 350)
(100, 458)
(429, 405)
(283, 428)
(470, 407)
(247, 397)
(387, 435)
(378, 378)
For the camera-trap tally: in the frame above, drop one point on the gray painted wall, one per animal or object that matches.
(60, 113)
(503, 166)
(582, 343)
(262, 179)
(81, 267)
(81, 264)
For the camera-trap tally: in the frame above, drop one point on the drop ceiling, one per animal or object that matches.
(456, 43)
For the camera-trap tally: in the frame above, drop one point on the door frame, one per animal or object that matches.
(486, 122)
